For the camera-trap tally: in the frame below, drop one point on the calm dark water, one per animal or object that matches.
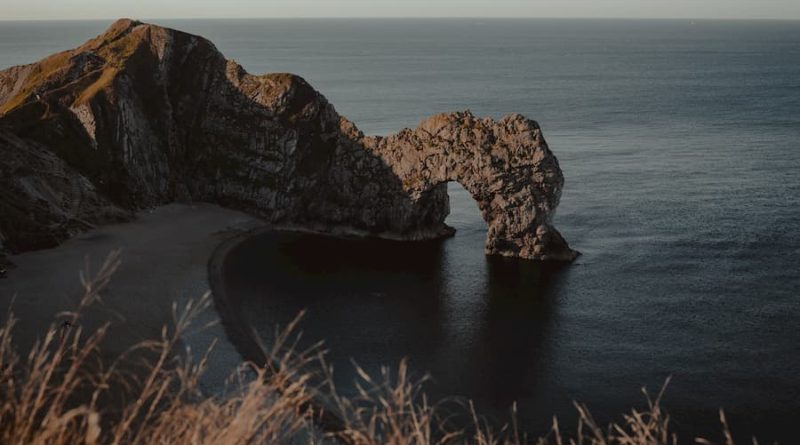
(681, 148)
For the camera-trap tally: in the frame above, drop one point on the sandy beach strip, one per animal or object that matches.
(165, 256)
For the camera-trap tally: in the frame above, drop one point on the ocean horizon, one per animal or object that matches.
(679, 141)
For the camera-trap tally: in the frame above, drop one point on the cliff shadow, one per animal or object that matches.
(372, 301)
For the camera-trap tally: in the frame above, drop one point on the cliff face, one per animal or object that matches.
(42, 199)
(144, 115)
(505, 165)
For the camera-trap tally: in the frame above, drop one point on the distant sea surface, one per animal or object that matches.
(680, 144)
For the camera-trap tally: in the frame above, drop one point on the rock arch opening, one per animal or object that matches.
(505, 165)
(269, 145)
(465, 216)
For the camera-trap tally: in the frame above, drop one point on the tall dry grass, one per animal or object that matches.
(64, 393)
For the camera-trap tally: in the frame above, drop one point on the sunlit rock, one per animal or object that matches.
(143, 115)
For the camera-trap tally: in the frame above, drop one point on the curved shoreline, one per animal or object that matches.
(239, 332)
(230, 316)
(164, 262)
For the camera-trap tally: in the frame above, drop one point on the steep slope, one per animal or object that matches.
(143, 115)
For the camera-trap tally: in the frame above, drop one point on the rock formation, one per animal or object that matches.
(143, 115)
(506, 167)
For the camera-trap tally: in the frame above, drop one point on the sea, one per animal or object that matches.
(680, 145)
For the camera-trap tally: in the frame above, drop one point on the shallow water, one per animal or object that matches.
(680, 148)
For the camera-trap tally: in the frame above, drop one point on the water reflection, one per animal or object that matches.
(509, 350)
(373, 301)
(477, 324)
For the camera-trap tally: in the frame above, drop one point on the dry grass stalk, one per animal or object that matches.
(59, 394)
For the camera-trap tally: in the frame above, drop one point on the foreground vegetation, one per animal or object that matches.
(64, 392)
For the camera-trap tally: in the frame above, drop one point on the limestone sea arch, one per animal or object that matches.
(505, 165)
(144, 115)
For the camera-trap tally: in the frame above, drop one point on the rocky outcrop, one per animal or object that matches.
(43, 201)
(144, 115)
(505, 165)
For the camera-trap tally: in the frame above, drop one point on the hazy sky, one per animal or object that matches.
(88, 9)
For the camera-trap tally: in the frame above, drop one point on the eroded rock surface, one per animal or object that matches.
(505, 165)
(143, 115)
